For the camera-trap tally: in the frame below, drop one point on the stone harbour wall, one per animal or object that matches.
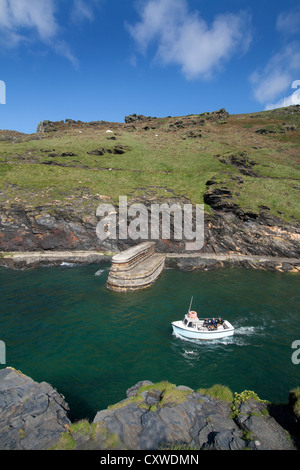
(135, 268)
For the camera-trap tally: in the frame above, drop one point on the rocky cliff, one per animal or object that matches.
(60, 229)
(44, 230)
(151, 417)
(242, 167)
(32, 415)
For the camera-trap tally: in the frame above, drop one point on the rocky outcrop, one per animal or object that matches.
(208, 261)
(215, 116)
(46, 228)
(47, 126)
(33, 415)
(292, 109)
(137, 118)
(117, 150)
(163, 415)
(240, 161)
(151, 417)
(229, 230)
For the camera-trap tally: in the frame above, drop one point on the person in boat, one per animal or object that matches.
(214, 323)
(206, 322)
(220, 321)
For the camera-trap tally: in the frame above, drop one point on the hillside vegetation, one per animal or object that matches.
(254, 157)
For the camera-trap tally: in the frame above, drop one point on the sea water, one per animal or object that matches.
(63, 326)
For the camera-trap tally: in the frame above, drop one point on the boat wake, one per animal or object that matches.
(99, 272)
(192, 353)
(65, 264)
(245, 330)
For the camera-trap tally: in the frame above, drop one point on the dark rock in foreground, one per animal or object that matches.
(163, 416)
(32, 415)
(153, 416)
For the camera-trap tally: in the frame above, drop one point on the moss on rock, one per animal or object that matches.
(217, 391)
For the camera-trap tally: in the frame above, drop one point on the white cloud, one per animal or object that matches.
(84, 10)
(276, 76)
(292, 99)
(17, 17)
(282, 103)
(185, 39)
(288, 22)
(31, 21)
(283, 68)
(63, 49)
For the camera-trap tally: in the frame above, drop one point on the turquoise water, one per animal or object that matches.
(61, 325)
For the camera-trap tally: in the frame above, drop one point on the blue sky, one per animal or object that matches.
(104, 59)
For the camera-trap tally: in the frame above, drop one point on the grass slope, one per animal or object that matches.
(164, 158)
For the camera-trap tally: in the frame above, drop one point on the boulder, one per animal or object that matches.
(32, 415)
(161, 416)
(261, 429)
(134, 118)
(220, 198)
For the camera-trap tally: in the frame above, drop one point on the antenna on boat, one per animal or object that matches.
(190, 305)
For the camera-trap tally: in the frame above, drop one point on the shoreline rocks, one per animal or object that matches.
(32, 415)
(47, 229)
(207, 262)
(151, 417)
(181, 261)
(29, 260)
(49, 235)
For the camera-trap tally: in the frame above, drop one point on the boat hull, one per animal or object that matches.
(192, 333)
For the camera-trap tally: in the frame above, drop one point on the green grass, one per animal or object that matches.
(244, 397)
(217, 391)
(159, 164)
(96, 433)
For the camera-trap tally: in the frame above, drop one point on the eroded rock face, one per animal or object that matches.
(159, 416)
(136, 117)
(43, 229)
(54, 126)
(32, 415)
(227, 230)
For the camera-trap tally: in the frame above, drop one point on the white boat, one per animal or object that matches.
(193, 327)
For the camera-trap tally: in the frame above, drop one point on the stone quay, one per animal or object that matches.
(136, 268)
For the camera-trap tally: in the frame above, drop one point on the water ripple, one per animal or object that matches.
(97, 343)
